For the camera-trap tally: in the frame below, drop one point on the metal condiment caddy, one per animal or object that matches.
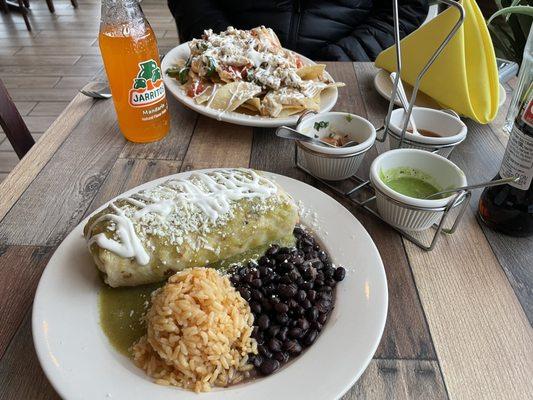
(361, 193)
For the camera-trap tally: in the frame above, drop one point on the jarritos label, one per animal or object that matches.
(148, 86)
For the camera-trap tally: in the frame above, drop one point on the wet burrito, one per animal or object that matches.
(185, 223)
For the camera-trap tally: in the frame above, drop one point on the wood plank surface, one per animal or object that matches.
(42, 94)
(481, 335)
(25, 107)
(399, 379)
(38, 60)
(21, 376)
(72, 177)
(513, 253)
(174, 145)
(28, 168)
(51, 108)
(128, 173)
(29, 81)
(218, 144)
(20, 268)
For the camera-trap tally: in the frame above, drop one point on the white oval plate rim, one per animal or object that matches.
(63, 339)
(328, 97)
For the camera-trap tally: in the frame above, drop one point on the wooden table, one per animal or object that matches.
(459, 322)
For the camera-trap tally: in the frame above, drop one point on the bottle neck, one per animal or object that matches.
(120, 12)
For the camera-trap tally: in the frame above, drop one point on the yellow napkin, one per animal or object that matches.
(464, 77)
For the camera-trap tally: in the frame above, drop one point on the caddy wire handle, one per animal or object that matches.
(421, 74)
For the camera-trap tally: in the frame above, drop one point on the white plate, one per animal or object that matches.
(383, 85)
(81, 364)
(328, 97)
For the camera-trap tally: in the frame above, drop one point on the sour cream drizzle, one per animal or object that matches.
(130, 245)
(211, 193)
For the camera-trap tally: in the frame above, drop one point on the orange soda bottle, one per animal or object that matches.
(131, 59)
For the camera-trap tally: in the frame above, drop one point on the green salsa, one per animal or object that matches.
(121, 313)
(122, 309)
(409, 182)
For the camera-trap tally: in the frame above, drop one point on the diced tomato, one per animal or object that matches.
(299, 62)
(196, 88)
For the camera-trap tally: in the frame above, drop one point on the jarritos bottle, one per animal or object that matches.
(131, 59)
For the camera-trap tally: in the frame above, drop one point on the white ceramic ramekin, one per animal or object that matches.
(450, 127)
(406, 212)
(331, 163)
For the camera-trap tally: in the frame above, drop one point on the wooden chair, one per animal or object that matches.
(13, 125)
(20, 6)
(51, 7)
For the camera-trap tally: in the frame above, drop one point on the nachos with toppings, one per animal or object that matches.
(248, 71)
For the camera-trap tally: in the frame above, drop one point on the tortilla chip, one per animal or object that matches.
(310, 72)
(246, 110)
(253, 103)
(232, 95)
(291, 110)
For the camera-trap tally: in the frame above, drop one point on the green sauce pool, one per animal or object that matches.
(410, 182)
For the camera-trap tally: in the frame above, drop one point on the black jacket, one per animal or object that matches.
(336, 30)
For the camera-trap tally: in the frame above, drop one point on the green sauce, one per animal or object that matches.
(122, 309)
(121, 313)
(410, 182)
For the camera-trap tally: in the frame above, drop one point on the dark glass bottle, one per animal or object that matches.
(509, 208)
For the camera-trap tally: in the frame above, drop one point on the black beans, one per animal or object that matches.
(323, 305)
(245, 293)
(309, 338)
(282, 357)
(303, 324)
(295, 333)
(307, 285)
(269, 366)
(310, 274)
(312, 314)
(264, 351)
(287, 291)
(283, 319)
(281, 258)
(293, 347)
(255, 307)
(265, 261)
(272, 250)
(263, 322)
(274, 345)
(322, 318)
(257, 361)
(298, 232)
(282, 334)
(257, 295)
(290, 291)
(273, 330)
(339, 274)
(281, 308)
(306, 304)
